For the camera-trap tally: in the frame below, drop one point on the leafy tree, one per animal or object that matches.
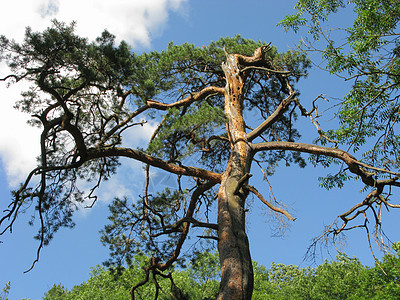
(343, 278)
(366, 54)
(220, 109)
(196, 282)
(385, 275)
(5, 291)
(57, 292)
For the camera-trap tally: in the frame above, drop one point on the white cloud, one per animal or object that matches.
(139, 134)
(19, 142)
(134, 21)
(131, 20)
(118, 187)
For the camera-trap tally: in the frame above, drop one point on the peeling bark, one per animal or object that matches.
(233, 245)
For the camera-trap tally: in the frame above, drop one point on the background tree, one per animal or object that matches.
(221, 108)
(5, 291)
(195, 282)
(366, 54)
(342, 278)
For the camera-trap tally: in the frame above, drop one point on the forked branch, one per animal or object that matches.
(186, 225)
(373, 201)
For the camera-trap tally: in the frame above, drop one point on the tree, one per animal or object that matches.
(365, 54)
(385, 275)
(342, 278)
(87, 97)
(57, 292)
(195, 282)
(5, 291)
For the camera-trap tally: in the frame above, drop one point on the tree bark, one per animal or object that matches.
(236, 266)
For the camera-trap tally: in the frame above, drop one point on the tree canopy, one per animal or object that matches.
(220, 110)
(365, 54)
(342, 278)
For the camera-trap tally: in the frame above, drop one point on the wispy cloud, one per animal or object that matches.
(134, 21)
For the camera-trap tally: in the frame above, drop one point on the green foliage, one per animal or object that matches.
(135, 228)
(57, 292)
(343, 278)
(178, 130)
(386, 277)
(199, 281)
(369, 58)
(5, 291)
(86, 95)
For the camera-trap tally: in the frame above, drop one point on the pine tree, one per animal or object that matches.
(88, 96)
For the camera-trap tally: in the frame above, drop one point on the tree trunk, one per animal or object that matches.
(236, 266)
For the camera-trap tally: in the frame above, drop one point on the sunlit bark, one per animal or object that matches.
(233, 245)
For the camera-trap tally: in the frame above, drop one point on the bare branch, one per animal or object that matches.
(155, 162)
(186, 226)
(352, 163)
(208, 237)
(204, 93)
(283, 106)
(314, 121)
(263, 200)
(265, 69)
(195, 223)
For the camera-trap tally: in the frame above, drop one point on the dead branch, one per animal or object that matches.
(283, 106)
(272, 207)
(186, 226)
(203, 94)
(353, 164)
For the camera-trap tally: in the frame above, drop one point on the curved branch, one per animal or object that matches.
(155, 162)
(349, 160)
(120, 125)
(153, 104)
(283, 106)
(16, 77)
(77, 135)
(193, 221)
(263, 200)
(265, 69)
(186, 226)
(313, 120)
(204, 93)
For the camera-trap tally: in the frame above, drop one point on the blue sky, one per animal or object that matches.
(70, 255)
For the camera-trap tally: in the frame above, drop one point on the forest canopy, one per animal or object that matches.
(201, 278)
